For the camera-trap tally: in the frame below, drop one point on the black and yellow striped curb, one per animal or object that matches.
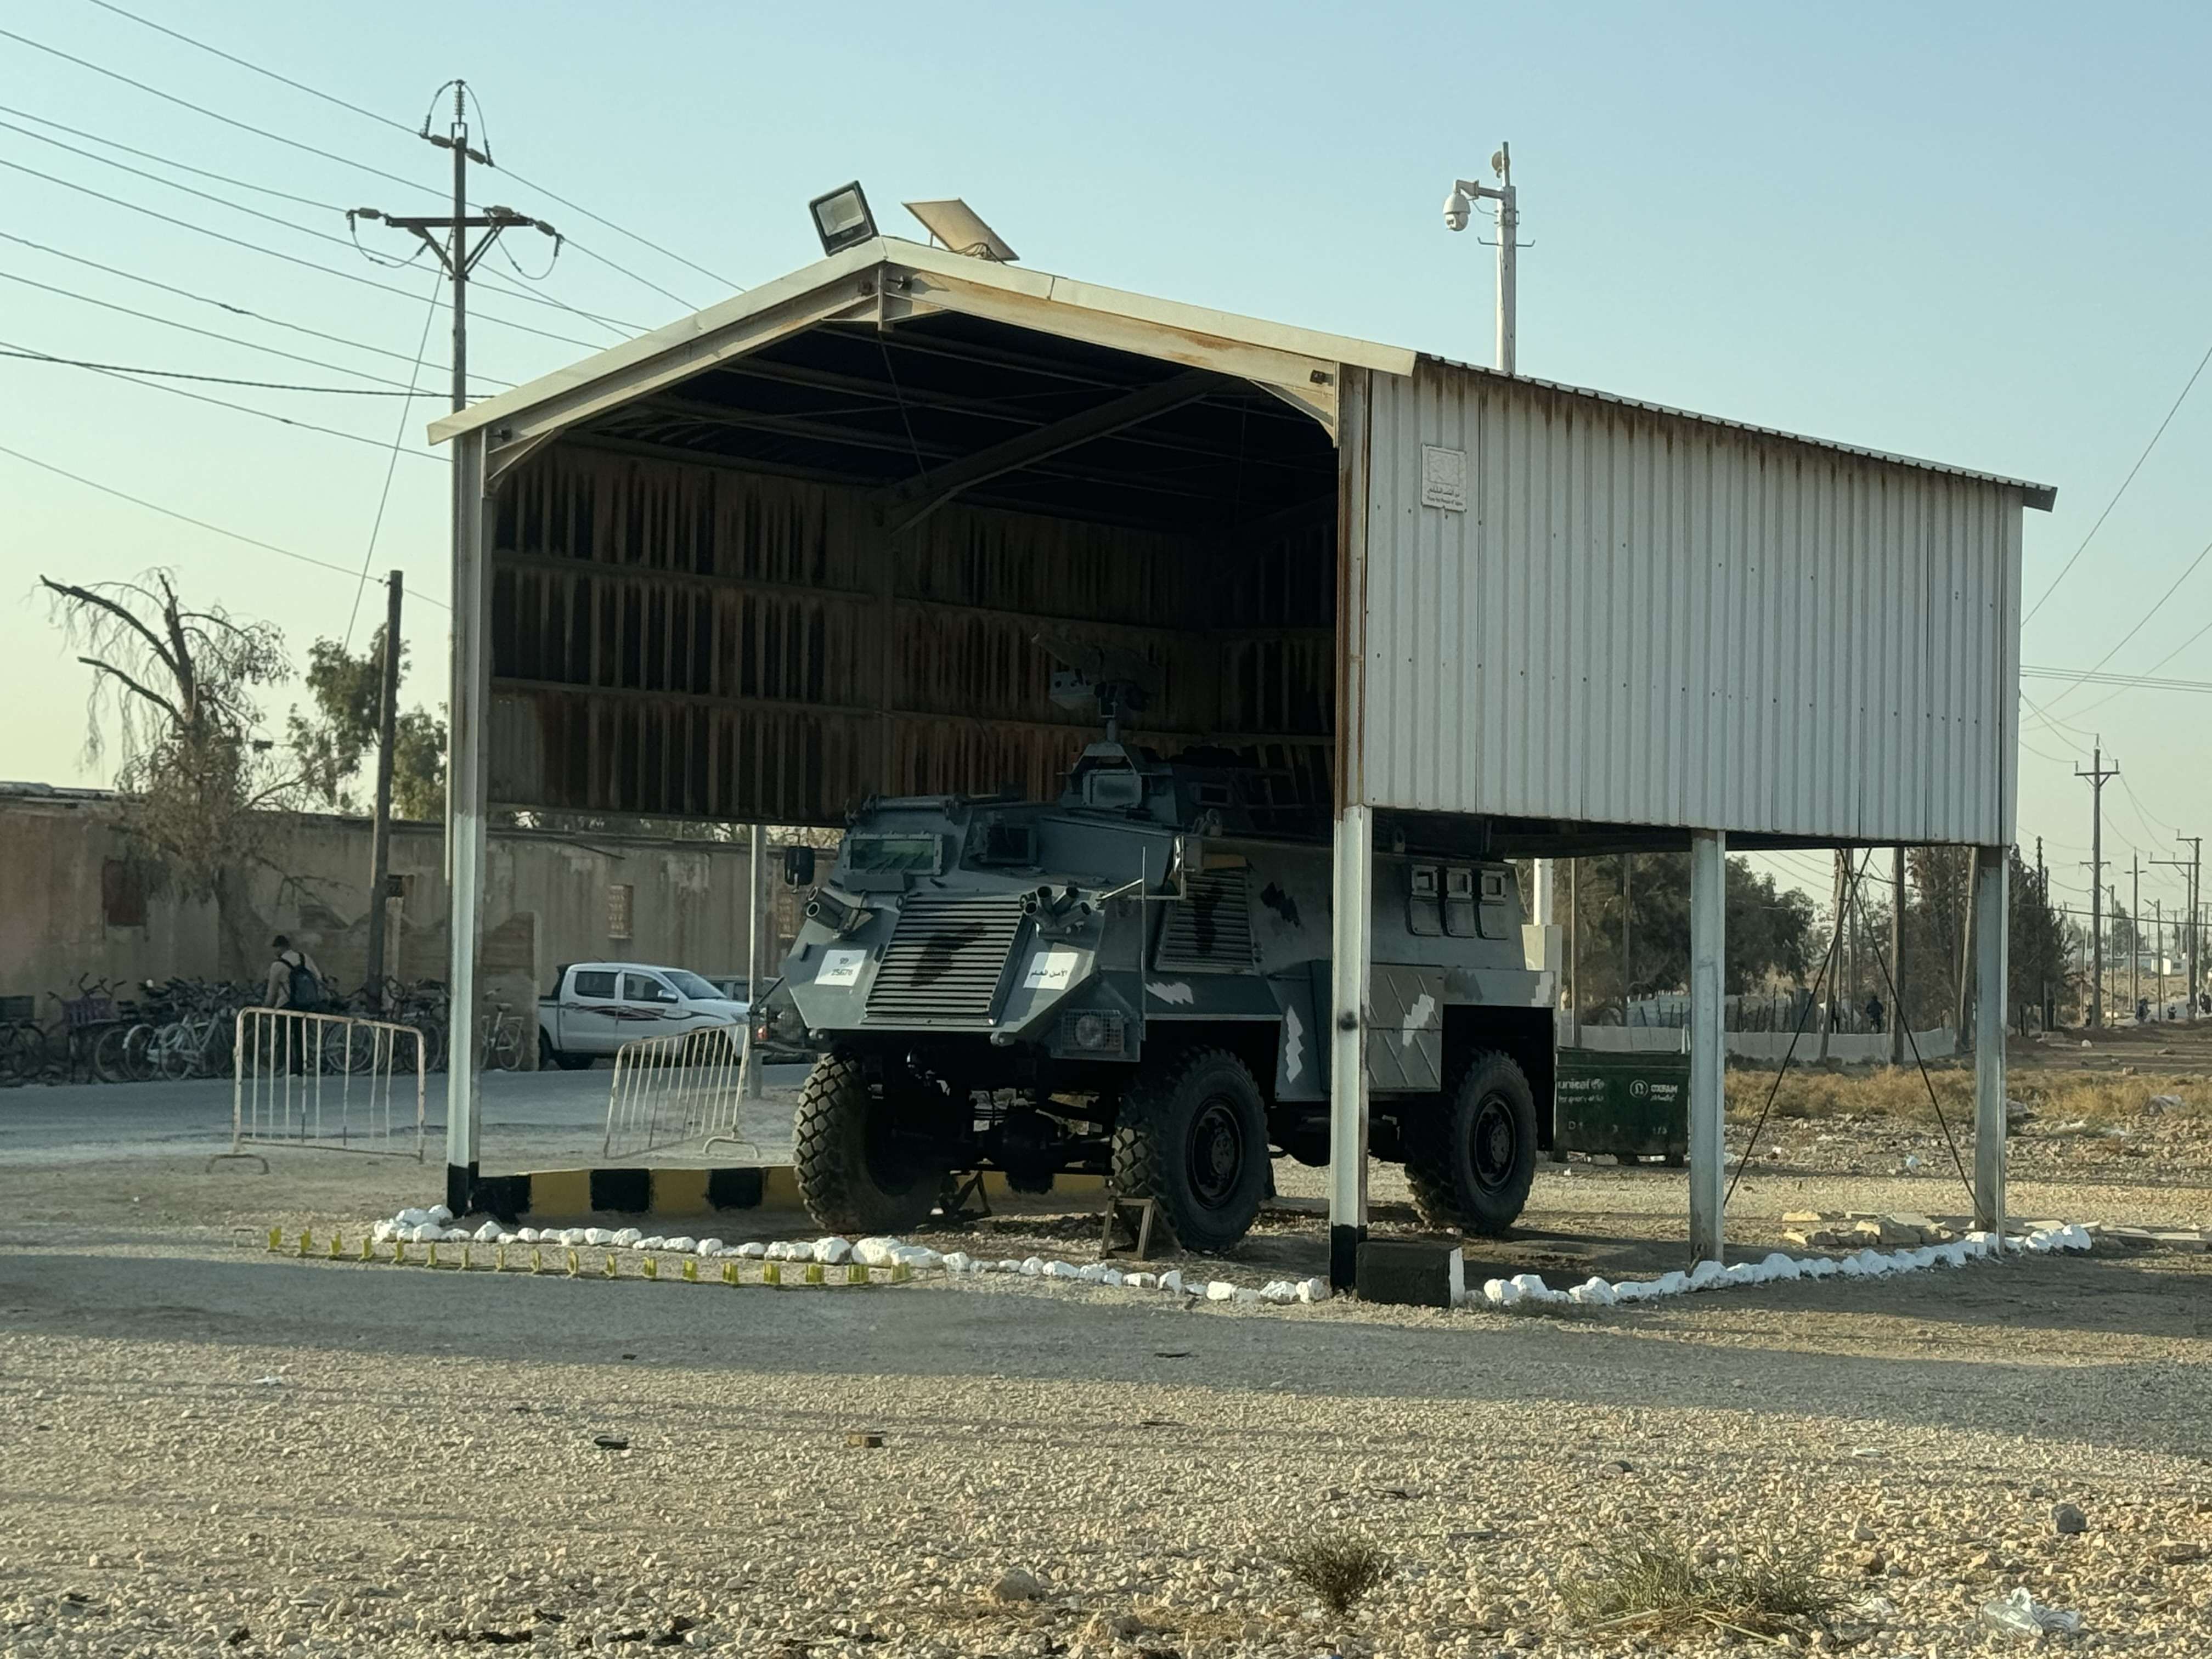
(658, 1192)
(583, 1261)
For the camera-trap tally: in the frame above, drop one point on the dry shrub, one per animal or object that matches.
(1655, 1583)
(1897, 1092)
(1340, 1569)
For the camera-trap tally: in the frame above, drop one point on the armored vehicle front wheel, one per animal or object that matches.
(1192, 1137)
(1470, 1159)
(860, 1168)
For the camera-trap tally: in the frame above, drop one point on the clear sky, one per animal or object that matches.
(1971, 232)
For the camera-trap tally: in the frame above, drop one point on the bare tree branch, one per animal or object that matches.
(151, 697)
(114, 608)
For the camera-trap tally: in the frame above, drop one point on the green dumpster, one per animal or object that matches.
(1631, 1105)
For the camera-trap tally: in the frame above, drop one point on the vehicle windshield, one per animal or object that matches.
(892, 853)
(692, 986)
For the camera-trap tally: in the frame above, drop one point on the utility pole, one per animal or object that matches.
(2097, 774)
(379, 835)
(2043, 900)
(1897, 954)
(456, 255)
(1627, 930)
(1574, 954)
(464, 862)
(1826, 1015)
(2134, 932)
(2158, 950)
(2190, 867)
(1965, 954)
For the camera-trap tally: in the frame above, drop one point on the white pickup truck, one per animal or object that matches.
(597, 1006)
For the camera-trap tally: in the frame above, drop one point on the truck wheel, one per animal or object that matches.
(1471, 1161)
(855, 1173)
(1193, 1137)
(549, 1057)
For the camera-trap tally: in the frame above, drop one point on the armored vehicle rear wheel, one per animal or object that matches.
(1470, 1160)
(860, 1168)
(1192, 1137)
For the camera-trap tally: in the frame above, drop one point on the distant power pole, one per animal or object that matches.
(2134, 932)
(2096, 775)
(2043, 899)
(2158, 950)
(1627, 930)
(2190, 868)
(1897, 955)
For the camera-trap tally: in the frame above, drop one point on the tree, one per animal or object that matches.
(179, 685)
(336, 745)
(1770, 930)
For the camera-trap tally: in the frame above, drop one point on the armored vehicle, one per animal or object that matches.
(1133, 981)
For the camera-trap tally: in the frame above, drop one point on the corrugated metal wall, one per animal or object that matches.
(682, 640)
(1645, 619)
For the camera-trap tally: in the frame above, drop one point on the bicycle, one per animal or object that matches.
(502, 1039)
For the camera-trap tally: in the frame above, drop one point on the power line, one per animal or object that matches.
(2154, 668)
(297, 86)
(385, 120)
(274, 254)
(202, 109)
(220, 305)
(2158, 605)
(2122, 490)
(151, 155)
(206, 333)
(287, 224)
(185, 518)
(212, 379)
(391, 466)
(2095, 677)
(245, 408)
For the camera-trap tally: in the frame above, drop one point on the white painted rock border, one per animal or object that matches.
(434, 1225)
(1529, 1289)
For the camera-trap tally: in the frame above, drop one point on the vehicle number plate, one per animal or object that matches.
(841, 968)
(1052, 970)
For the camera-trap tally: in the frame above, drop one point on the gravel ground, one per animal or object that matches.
(211, 1450)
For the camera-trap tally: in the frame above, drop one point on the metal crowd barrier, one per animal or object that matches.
(675, 1090)
(326, 1082)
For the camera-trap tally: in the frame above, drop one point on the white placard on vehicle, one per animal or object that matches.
(841, 968)
(1052, 970)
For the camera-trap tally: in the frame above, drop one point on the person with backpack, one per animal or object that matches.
(294, 980)
(295, 983)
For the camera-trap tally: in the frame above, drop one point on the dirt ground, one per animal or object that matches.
(212, 1450)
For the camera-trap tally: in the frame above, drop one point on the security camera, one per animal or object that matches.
(1456, 209)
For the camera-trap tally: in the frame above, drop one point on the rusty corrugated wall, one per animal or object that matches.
(693, 641)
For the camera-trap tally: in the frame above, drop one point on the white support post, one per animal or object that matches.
(1708, 1050)
(749, 1087)
(1992, 877)
(1351, 944)
(465, 798)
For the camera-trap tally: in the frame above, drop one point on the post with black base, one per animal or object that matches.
(470, 694)
(1351, 944)
(1992, 909)
(1708, 1052)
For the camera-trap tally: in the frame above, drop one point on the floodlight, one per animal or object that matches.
(958, 225)
(841, 218)
(1456, 210)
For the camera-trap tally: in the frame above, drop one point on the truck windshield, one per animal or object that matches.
(917, 853)
(691, 985)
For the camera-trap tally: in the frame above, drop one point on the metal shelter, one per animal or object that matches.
(799, 548)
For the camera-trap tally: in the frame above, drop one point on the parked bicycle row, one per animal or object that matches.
(114, 1031)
